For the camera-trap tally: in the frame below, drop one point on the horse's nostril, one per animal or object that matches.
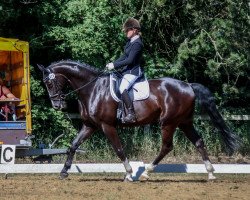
(56, 107)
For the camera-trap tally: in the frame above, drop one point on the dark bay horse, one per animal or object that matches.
(171, 103)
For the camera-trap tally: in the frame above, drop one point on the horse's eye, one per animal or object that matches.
(49, 84)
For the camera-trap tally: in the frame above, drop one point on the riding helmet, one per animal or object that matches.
(131, 23)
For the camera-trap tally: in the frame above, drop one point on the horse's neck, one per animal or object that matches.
(77, 76)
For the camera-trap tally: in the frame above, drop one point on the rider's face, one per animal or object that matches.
(130, 32)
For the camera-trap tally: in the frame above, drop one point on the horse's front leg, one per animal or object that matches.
(111, 134)
(167, 146)
(79, 139)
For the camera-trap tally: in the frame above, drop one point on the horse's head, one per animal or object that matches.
(54, 84)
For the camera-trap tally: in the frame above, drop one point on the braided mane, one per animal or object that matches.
(78, 63)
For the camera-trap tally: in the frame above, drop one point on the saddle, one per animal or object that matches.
(138, 91)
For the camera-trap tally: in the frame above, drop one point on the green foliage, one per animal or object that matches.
(47, 123)
(215, 52)
(83, 30)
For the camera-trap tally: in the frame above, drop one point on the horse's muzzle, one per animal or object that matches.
(59, 105)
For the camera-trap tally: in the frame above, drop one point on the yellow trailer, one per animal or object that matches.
(15, 75)
(16, 129)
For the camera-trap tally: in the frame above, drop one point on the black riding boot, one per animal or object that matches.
(129, 105)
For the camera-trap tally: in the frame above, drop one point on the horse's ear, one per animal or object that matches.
(42, 68)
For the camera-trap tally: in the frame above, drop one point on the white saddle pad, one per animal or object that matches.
(140, 90)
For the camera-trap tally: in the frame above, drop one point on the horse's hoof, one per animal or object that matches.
(211, 177)
(128, 178)
(144, 177)
(63, 175)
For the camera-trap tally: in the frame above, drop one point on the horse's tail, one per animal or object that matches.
(207, 102)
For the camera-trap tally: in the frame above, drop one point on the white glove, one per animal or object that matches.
(110, 66)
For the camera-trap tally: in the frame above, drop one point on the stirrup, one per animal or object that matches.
(130, 118)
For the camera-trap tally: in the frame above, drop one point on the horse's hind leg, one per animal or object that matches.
(193, 136)
(167, 146)
(79, 139)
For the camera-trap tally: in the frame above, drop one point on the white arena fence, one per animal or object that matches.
(138, 168)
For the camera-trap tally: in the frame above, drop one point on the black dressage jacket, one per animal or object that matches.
(132, 57)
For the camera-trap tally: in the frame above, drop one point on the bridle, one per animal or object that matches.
(52, 77)
(62, 96)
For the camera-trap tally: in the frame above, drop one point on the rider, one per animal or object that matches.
(131, 63)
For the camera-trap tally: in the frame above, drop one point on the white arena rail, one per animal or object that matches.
(138, 168)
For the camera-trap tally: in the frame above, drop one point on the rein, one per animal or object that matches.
(63, 96)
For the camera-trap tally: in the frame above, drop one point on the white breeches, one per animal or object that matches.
(127, 81)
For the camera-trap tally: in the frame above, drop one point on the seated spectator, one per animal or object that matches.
(6, 110)
(6, 93)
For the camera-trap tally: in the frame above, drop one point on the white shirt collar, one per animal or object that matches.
(134, 38)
